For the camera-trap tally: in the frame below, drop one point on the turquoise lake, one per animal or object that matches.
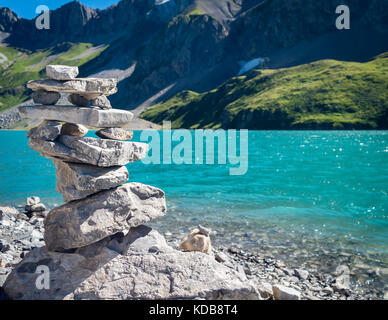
(318, 197)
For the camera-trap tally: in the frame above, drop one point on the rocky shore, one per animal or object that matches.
(21, 233)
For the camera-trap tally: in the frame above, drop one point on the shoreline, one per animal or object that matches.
(263, 267)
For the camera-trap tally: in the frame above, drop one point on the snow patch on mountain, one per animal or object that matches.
(249, 65)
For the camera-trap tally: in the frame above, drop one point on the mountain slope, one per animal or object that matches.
(327, 94)
(159, 48)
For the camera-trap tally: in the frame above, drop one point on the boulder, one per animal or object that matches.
(47, 130)
(98, 152)
(102, 102)
(139, 265)
(77, 181)
(115, 134)
(83, 222)
(93, 117)
(281, 292)
(78, 100)
(45, 97)
(60, 72)
(88, 87)
(197, 241)
(72, 129)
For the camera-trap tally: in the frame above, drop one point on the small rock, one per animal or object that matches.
(196, 241)
(284, 293)
(234, 250)
(221, 257)
(78, 100)
(45, 97)
(204, 231)
(32, 201)
(60, 72)
(301, 274)
(327, 291)
(102, 102)
(265, 290)
(47, 130)
(35, 207)
(115, 134)
(3, 263)
(22, 216)
(72, 129)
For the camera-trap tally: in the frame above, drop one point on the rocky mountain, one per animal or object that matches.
(327, 94)
(158, 48)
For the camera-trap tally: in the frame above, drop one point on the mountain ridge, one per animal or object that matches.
(160, 50)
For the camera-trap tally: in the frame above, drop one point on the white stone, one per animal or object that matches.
(60, 72)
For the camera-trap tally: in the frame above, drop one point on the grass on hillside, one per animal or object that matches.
(23, 66)
(326, 94)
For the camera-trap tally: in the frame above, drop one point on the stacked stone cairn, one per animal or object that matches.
(96, 244)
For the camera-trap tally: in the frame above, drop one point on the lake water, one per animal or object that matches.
(314, 198)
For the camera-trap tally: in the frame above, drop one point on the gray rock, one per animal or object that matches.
(78, 100)
(139, 265)
(72, 129)
(99, 152)
(45, 97)
(102, 102)
(88, 87)
(39, 207)
(284, 293)
(87, 116)
(203, 230)
(221, 257)
(301, 274)
(115, 134)
(82, 222)
(265, 290)
(60, 72)
(32, 200)
(47, 130)
(77, 181)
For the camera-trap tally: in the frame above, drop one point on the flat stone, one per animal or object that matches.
(139, 265)
(45, 97)
(87, 116)
(72, 129)
(83, 222)
(47, 130)
(60, 72)
(98, 152)
(88, 87)
(78, 100)
(102, 102)
(77, 181)
(115, 134)
(281, 292)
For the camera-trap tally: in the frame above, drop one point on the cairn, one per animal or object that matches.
(96, 244)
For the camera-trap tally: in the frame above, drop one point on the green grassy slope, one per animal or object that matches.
(325, 94)
(23, 66)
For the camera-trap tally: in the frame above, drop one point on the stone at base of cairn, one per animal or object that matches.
(139, 265)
